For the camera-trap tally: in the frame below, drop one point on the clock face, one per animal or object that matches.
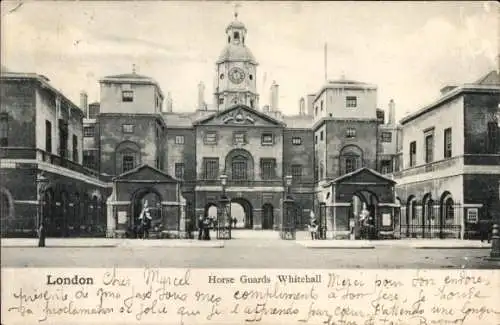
(236, 75)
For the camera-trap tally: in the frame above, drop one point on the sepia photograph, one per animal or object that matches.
(250, 135)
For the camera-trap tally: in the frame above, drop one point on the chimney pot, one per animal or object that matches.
(84, 103)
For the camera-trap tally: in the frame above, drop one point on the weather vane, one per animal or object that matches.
(236, 6)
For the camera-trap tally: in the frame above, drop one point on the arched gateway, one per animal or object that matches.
(165, 204)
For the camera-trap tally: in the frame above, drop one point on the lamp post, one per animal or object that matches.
(288, 220)
(41, 182)
(223, 223)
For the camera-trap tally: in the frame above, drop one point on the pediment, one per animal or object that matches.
(363, 175)
(240, 115)
(145, 173)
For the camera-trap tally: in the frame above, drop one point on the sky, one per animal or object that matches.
(408, 49)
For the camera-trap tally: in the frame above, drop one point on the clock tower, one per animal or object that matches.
(236, 70)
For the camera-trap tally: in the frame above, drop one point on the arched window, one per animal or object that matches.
(413, 208)
(239, 168)
(127, 156)
(427, 206)
(449, 211)
(351, 158)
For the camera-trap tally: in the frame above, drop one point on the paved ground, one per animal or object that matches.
(246, 253)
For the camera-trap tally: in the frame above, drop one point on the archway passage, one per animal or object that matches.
(241, 209)
(267, 216)
(364, 214)
(153, 201)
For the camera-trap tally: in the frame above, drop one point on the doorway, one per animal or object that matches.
(267, 216)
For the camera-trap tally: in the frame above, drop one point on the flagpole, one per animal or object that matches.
(326, 62)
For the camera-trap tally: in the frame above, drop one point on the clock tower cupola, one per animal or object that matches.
(236, 70)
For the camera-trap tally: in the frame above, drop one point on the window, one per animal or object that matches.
(385, 166)
(236, 35)
(315, 139)
(127, 96)
(128, 128)
(321, 135)
(48, 136)
(4, 130)
(351, 101)
(251, 100)
(449, 211)
(179, 170)
(413, 208)
(211, 168)
(297, 141)
(128, 162)
(429, 148)
(492, 142)
(386, 137)
(316, 110)
(158, 163)
(296, 171)
(89, 131)
(447, 143)
(221, 100)
(350, 133)
(239, 138)
(472, 215)
(179, 139)
(267, 139)
(413, 153)
(267, 168)
(321, 104)
(75, 148)
(239, 168)
(90, 159)
(210, 138)
(350, 164)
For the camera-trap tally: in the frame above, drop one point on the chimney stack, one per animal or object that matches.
(310, 104)
(84, 103)
(274, 96)
(302, 106)
(392, 112)
(201, 96)
(169, 103)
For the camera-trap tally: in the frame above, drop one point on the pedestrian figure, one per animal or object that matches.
(484, 230)
(206, 228)
(41, 235)
(313, 229)
(200, 227)
(145, 220)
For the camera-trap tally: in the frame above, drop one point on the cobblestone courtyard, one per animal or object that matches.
(247, 253)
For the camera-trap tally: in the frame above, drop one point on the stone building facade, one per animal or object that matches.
(451, 162)
(343, 154)
(42, 137)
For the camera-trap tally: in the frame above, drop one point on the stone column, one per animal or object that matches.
(331, 222)
(110, 218)
(182, 218)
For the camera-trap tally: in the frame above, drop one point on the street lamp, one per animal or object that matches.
(41, 182)
(288, 215)
(223, 181)
(223, 222)
(288, 183)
